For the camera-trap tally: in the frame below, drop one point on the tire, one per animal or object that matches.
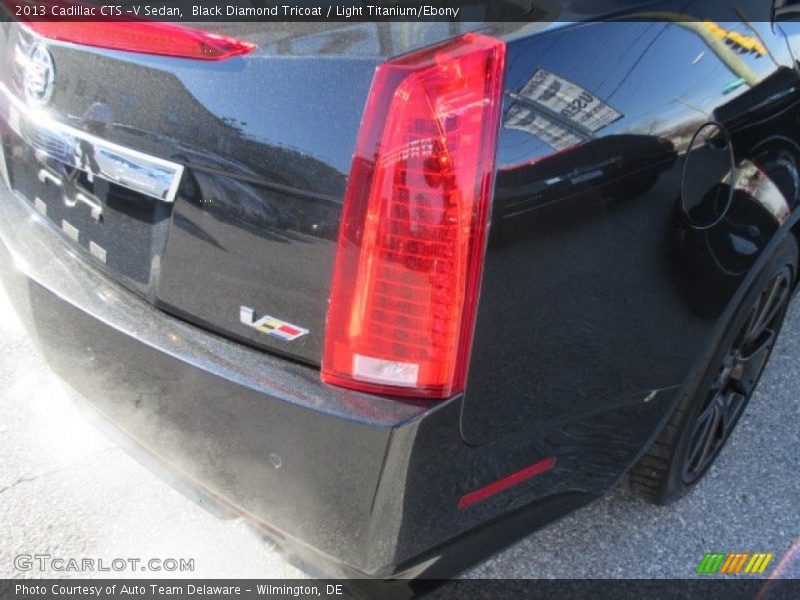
(711, 407)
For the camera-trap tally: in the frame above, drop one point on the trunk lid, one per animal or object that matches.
(214, 189)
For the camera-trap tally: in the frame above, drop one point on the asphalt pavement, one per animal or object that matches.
(66, 490)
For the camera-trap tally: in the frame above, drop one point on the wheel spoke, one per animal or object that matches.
(706, 433)
(734, 406)
(768, 307)
(747, 367)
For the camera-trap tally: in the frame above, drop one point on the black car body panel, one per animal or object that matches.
(590, 267)
(335, 478)
(599, 294)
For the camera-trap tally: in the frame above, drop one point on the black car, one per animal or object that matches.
(399, 293)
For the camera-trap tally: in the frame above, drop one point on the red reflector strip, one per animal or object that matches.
(508, 481)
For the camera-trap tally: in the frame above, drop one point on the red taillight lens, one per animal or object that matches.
(144, 37)
(411, 243)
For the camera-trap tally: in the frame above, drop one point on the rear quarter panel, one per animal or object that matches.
(597, 292)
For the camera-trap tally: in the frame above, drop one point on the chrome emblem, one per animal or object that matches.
(270, 325)
(38, 73)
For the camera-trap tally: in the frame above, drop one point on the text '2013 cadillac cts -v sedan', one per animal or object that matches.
(401, 294)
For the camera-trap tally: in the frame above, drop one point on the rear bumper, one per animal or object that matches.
(260, 432)
(350, 483)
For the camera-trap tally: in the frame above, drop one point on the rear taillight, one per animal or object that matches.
(411, 242)
(144, 37)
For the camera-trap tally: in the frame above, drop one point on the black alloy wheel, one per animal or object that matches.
(738, 376)
(716, 394)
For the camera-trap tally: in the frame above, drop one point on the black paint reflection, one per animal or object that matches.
(597, 287)
(714, 260)
(615, 167)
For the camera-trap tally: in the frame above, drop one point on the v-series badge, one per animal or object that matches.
(270, 325)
